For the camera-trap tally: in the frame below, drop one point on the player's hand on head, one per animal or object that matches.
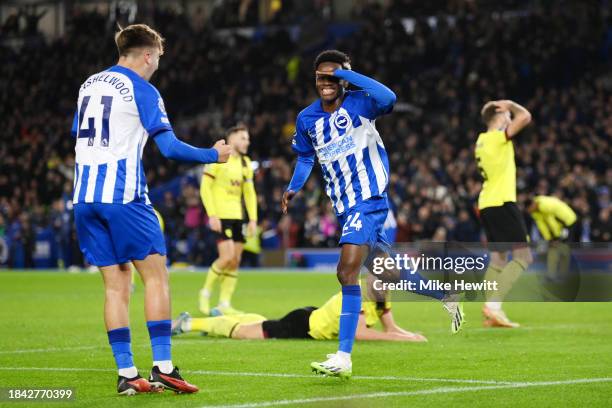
(214, 223)
(287, 196)
(224, 151)
(502, 105)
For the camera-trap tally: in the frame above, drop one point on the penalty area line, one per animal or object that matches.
(440, 390)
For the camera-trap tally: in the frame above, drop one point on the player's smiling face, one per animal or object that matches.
(328, 86)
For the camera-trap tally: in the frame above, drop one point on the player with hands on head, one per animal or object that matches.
(499, 214)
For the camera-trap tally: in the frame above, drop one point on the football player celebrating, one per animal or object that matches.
(118, 111)
(338, 128)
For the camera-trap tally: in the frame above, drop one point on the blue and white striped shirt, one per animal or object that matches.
(349, 149)
(117, 112)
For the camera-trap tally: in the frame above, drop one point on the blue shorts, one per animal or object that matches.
(112, 234)
(363, 223)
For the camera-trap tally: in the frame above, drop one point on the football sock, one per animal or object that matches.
(121, 344)
(553, 259)
(214, 273)
(492, 274)
(564, 261)
(221, 326)
(505, 279)
(159, 332)
(165, 366)
(351, 306)
(346, 357)
(130, 372)
(228, 285)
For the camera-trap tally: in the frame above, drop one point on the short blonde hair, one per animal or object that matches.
(137, 36)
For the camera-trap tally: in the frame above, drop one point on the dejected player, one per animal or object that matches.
(500, 216)
(117, 111)
(223, 190)
(320, 323)
(338, 128)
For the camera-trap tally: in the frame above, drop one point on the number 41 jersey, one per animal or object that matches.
(117, 112)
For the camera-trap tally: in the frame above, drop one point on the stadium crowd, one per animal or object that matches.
(556, 61)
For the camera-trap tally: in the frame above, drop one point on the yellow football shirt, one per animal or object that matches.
(325, 321)
(551, 216)
(224, 185)
(495, 158)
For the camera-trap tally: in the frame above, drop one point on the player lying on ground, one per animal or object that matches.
(117, 111)
(223, 188)
(339, 129)
(305, 323)
(500, 216)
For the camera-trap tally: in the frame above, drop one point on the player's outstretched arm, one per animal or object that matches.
(389, 326)
(521, 117)
(302, 170)
(172, 148)
(365, 333)
(385, 98)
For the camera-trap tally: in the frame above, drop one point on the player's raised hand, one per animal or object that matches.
(223, 149)
(214, 223)
(287, 196)
(503, 105)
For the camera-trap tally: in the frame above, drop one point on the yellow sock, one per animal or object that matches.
(228, 285)
(510, 274)
(552, 262)
(214, 273)
(565, 254)
(221, 326)
(492, 274)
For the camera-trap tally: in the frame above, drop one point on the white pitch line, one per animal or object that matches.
(47, 350)
(276, 375)
(440, 390)
(357, 377)
(70, 369)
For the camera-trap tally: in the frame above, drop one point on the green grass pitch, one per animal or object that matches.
(53, 336)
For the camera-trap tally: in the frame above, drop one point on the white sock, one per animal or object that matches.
(225, 303)
(129, 372)
(186, 325)
(344, 356)
(495, 306)
(205, 293)
(165, 366)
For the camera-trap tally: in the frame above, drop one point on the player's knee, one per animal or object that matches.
(236, 263)
(118, 293)
(225, 262)
(348, 273)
